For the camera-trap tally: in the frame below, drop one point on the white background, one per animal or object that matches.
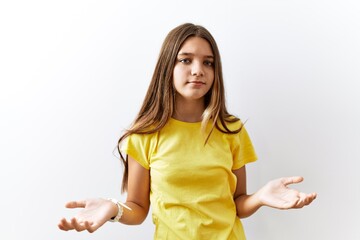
(74, 73)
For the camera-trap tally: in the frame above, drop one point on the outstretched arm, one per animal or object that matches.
(96, 212)
(275, 194)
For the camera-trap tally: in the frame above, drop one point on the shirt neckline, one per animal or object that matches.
(179, 122)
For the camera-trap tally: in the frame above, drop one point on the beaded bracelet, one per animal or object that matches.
(120, 210)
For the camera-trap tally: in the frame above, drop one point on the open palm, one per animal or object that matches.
(93, 214)
(277, 194)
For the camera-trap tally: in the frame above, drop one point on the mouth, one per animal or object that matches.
(197, 82)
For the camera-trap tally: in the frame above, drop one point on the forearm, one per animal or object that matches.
(135, 216)
(247, 205)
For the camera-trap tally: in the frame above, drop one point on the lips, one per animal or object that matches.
(197, 82)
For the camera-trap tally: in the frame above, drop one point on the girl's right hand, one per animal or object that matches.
(94, 213)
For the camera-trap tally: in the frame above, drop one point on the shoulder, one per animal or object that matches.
(143, 132)
(141, 137)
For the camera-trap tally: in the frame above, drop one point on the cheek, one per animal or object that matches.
(179, 74)
(176, 85)
(211, 79)
(176, 79)
(211, 76)
(175, 73)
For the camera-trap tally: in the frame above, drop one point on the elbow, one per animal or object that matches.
(136, 215)
(139, 220)
(246, 205)
(241, 215)
(240, 206)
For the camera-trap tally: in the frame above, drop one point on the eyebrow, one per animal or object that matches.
(191, 54)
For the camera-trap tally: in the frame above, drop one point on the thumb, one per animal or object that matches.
(291, 180)
(76, 204)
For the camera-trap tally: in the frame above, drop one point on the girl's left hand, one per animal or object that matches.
(276, 194)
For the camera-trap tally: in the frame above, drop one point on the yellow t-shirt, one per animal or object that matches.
(192, 184)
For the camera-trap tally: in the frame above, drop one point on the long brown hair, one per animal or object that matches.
(158, 105)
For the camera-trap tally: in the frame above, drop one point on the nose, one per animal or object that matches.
(197, 69)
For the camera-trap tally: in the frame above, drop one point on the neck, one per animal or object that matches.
(189, 110)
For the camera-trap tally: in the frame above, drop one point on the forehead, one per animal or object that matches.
(196, 45)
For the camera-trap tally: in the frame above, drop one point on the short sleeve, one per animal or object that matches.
(242, 149)
(139, 147)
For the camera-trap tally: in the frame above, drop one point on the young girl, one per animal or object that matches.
(186, 155)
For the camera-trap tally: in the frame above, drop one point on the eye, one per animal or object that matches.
(185, 60)
(208, 63)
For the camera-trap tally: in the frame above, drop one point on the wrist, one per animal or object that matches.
(118, 210)
(258, 199)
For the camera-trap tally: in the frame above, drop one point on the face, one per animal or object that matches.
(193, 73)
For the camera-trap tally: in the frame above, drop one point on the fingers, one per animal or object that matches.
(310, 197)
(76, 224)
(305, 199)
(70, 225)
(76, 204)
(65, 225)
(91, 227)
